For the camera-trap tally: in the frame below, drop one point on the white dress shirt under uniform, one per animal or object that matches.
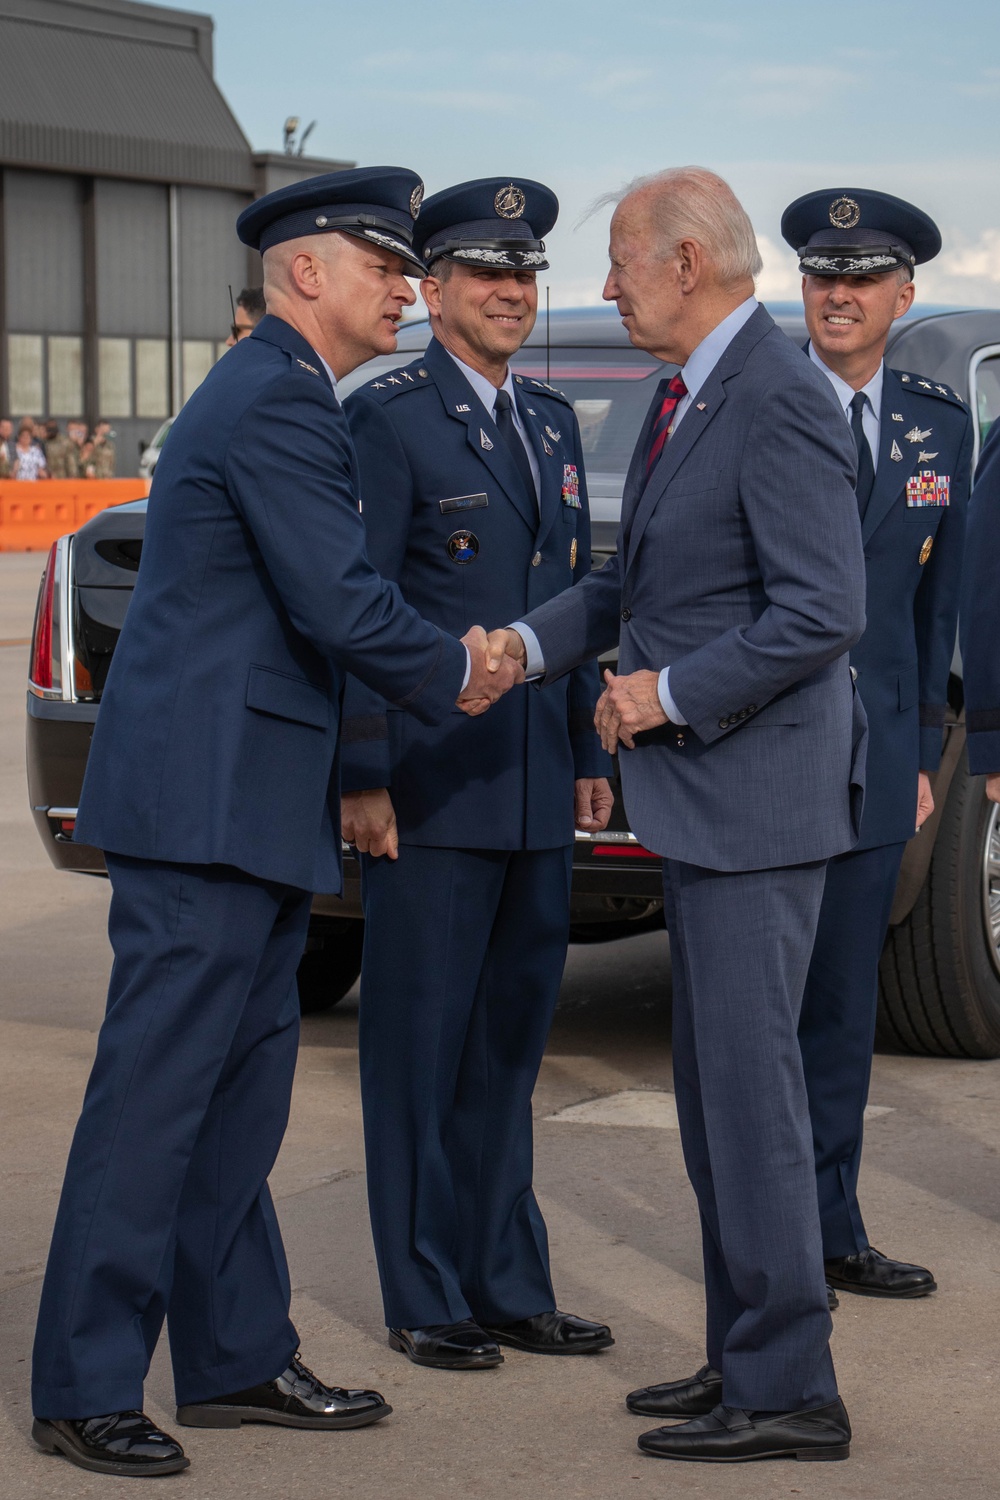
(700, 364)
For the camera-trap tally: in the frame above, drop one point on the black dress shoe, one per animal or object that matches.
(872, 1274)
(297, 1398)
(694, 1397)
(554, 1333)
(126, 1442)
(729, 1436)
(447, 1346)
(832, 1300)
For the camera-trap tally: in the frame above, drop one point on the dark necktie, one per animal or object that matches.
(676, 391)
(504, 419)
(866, 466)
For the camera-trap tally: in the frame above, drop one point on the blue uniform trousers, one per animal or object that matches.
(837, 1030)
(740, 945)
(464, 954)
(165, 1210)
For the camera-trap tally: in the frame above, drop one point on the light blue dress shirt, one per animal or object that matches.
(487, 393)
(871, 415)
(700, 364)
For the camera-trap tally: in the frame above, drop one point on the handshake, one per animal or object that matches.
(498, 662)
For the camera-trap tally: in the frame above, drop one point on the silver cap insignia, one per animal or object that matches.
(510, 202)
(844, 213)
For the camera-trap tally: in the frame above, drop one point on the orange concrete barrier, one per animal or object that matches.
(33, 514)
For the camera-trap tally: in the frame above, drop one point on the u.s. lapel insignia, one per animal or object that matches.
(463, 408)
(925, 550)
(897, 416)
(572, 554)
(555, 436)
(548, 451)
(896, 451)
(917, 434)
(484, 441)
(531, 412)
(925, 458)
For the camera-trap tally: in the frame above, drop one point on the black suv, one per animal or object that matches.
(940, 974)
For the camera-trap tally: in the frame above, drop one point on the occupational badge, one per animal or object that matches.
(928, 488)
(918, 434)
(463, 546)
(572, 553)
(509, 202)
(925, 550)
(548, 451)
(844, 213)
(485, 442)
(555, 436)
(416, 198)
(895, 452)
(571, 487)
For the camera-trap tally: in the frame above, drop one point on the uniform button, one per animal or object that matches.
(536, 559)
(626, 614)
(751, 708)
(723, 723)
(854, 674)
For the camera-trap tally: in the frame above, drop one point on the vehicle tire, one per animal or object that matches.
(939, 976)
(328, 971)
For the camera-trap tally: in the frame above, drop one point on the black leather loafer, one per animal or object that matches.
(448, 1346)
(694, 1397)
(872, 1274)
(832, 1300)
(297, 1398)
(554, 1333)
(126, 1442)
(729, 1436)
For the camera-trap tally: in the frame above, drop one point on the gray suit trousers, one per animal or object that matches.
(740, 944)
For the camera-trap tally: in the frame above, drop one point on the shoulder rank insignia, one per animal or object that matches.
(378, 386)
(928, 488)
(405, 376)
(391, 380)
(311, 368)
(943, 389)
(917, 434)
(926, 385)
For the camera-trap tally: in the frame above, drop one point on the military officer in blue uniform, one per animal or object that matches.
(980, 618)
(475, 501)
(857, 250)
(212, 788)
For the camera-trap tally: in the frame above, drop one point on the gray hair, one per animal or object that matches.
(692, 203)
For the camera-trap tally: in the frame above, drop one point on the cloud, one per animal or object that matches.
(776, 90)
(968, 272)
(780, 280)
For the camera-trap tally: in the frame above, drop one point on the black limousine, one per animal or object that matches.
(940, 970)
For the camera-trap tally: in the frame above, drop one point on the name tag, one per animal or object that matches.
(928, 488)
(462, 502)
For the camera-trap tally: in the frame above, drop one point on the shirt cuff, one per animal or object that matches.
(667, 703)
(535, 664)
(468, 672)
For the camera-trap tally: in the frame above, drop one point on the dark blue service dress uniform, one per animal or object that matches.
(980, 613)
(212, 786)
(466, 933)
(913, 539)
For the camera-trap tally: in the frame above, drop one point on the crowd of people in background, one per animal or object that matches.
(39, 450)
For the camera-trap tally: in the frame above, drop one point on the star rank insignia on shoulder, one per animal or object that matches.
(929, 388)
(542, 385)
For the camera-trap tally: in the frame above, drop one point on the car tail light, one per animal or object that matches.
(623, 851)
(41, 640)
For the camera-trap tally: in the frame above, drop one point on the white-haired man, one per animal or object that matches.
(736, 591)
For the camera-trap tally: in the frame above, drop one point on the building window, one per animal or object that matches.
(65, 377)
(197, 358)
(24, 365)
(152, 378)
(114, 377)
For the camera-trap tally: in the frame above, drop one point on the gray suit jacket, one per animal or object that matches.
(740, 567)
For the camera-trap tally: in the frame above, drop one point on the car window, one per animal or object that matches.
(986, 390)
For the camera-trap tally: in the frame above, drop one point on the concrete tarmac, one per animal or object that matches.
(920, 1379)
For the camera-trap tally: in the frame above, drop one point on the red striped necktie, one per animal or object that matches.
(676, 391)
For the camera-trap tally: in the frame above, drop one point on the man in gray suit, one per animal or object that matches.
(736, 591)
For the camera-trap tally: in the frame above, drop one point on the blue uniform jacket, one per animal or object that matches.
(980, 613)
(913, 562)
(216, 740)
(432, 465)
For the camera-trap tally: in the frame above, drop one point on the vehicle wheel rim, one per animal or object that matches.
(991, 884)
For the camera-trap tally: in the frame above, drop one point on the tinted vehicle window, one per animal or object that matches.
(987, 394)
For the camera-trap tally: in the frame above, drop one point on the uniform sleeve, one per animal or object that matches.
(290, 468)
(936, 609)
(796, 487)
(386, 485)
(979, 613)
(590, 759)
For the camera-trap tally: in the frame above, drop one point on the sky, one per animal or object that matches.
(780, 96)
